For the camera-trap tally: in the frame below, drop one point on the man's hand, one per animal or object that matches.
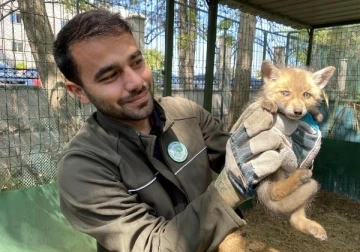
(259, 145)
(252, 153)
(250, 159)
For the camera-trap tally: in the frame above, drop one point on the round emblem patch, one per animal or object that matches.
(177, 151)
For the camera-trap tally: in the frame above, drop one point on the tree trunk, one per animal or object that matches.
(41, 38)
(279, 56)
(241, 88)
(187, 40)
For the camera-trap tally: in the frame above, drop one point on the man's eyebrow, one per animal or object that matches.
(114, 65)
(135, 54)
(104, 70)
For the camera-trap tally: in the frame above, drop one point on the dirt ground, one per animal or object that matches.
(339, 215)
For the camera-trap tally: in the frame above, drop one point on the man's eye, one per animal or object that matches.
(285, 93)
(138, 62)
(307, 95)
(109, 77)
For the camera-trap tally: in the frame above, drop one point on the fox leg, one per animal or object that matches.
(283, 188)
(300, 222)
(301, 196)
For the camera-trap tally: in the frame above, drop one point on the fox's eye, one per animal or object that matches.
(307, 95)
(285, 93)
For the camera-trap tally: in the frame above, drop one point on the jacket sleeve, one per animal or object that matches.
(98, 204)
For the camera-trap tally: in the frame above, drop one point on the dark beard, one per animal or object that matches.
(124, 112)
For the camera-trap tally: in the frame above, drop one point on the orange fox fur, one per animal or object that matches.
(293, 92)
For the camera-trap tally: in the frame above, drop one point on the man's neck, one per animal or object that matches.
(142, 126)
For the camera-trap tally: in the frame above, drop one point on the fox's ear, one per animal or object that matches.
(269, 71)
(322, 77)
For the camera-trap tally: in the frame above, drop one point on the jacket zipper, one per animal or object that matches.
(168, 165)
(165, 159)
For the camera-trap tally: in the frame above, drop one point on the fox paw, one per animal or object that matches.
(309, 227)
(303, 175)
(317, 231)
(319, 117)
(269, 106)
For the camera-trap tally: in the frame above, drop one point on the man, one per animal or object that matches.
(137, 176)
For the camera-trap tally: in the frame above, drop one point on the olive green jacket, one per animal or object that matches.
(112, 188)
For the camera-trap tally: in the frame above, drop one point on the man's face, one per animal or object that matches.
(115, 77)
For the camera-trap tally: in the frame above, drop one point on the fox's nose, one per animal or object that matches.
(298, 112)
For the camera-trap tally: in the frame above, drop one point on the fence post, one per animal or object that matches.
(210, 54)
(169, 46)
(265, 44)
(310, 45)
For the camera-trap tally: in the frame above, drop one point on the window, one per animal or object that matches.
(16, 18)
(18, 46)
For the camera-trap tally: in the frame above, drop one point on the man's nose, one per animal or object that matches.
(132, 79)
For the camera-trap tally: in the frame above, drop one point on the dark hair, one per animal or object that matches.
(81, 27)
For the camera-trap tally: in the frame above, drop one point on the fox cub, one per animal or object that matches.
(292, 92)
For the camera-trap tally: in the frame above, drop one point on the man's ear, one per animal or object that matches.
(77, 91)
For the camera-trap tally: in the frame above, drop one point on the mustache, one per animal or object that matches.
(145, 88)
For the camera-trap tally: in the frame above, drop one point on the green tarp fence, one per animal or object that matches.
(31, 221)
(337, 167)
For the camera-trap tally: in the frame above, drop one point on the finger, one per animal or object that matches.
(244, 115)
(265, 141)
(289, 160)
(255, 119)
(265, 164)
(258, 121)
(254, 171)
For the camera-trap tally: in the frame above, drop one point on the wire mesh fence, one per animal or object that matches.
(38, 116)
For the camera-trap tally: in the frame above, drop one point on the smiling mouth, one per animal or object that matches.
(136, 97)
(139, 97)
